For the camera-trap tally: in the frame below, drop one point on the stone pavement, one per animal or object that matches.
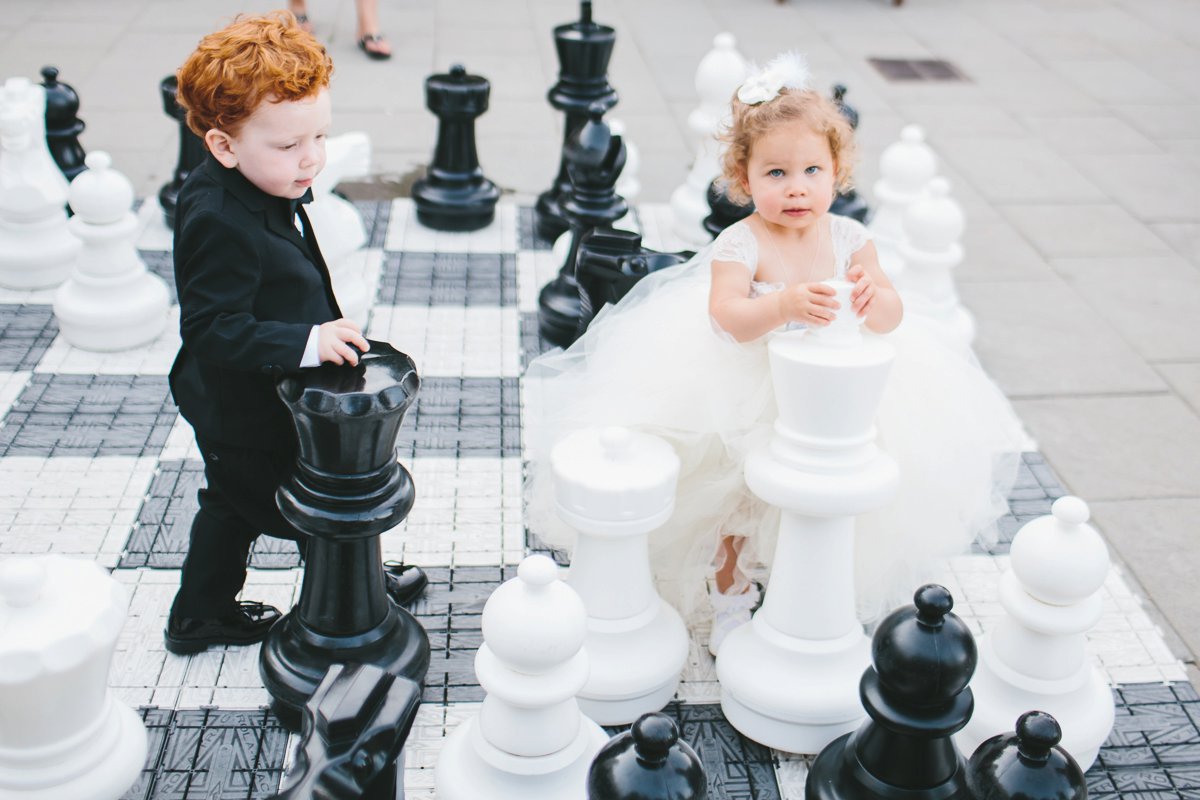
(1073, 144)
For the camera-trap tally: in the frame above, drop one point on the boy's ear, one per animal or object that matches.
(219, 143)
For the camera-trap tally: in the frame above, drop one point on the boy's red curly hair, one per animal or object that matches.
(233, 70)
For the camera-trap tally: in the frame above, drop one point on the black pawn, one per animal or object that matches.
(595, 158)
(1026, 766)
(191, 150)
(916, 698)
(354, 728)
(454, 195)
(723, 211)
(347, 490)
(63, 124)
(584, 49)
(647, 762)
(848, 204)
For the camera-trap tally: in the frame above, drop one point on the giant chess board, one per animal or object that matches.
(96, 463)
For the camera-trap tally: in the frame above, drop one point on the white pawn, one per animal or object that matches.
(110, 302)
(719, 74)
(339, 227)
(530, 741)
(62, 735)
(614, 487)
(1035, 658)
(905, 169)
(629, 185)
(36, 249)
(933, 229)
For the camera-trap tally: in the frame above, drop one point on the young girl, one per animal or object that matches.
(683, 356)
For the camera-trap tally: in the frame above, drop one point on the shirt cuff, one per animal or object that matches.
(312, 356)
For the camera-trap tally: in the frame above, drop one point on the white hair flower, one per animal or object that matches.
(786, 71)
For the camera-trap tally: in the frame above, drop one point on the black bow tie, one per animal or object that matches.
(294, 205)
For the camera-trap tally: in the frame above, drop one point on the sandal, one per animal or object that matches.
(731, 611)
(370, 44)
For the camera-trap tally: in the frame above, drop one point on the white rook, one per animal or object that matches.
(1035, 658)
(933, 229)
(62, 735)
(36, 249)
(789, 677)
(718, 76)
(614, 487)
(530, 741)
(110, 302)
(905, 169)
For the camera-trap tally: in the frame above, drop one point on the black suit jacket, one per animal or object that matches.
(250, 290)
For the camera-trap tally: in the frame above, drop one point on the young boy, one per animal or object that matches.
(255, 302)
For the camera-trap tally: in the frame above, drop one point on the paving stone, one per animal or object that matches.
(26, 332)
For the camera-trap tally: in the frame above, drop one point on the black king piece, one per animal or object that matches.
(348, 489)
(63, 124)
(584, 48)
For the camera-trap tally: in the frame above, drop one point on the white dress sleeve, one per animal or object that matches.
(849, 236)
(737, 243)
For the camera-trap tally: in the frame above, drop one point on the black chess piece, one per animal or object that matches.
(849, 203)
(63, 124)
(583, 48)
(347, 490)
(647, 762)
(191, 150)
(1027, 765)
(916, 697)
(610, 262)
(354, 727)
(454, 195)
(724, 211)
(595, 158)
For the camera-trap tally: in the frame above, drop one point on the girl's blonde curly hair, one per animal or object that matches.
(751, 121)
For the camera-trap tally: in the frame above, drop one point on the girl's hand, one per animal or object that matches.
(863, 295)
(810, 303)
(334, 340)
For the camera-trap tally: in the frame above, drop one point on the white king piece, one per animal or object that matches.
(62, 735)
(789, 677)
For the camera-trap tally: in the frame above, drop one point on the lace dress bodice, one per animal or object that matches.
(738, 243)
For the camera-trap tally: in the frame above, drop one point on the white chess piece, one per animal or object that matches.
(62, 734)
(933, 228)
(905, 169)
(110, 302)
(614, 487)
(36, 249)
(789, 677)
(1035, 657)
(339, 227)
(719, 74)
(529, 741)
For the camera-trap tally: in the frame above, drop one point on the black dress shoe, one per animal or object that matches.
(246, 624)
(404, 582)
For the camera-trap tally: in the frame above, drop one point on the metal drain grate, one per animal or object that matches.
(917, 69)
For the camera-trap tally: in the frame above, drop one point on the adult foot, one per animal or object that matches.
(404, 582)
(375, 46)
(246, 624)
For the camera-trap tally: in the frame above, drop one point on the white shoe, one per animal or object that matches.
(730, 611)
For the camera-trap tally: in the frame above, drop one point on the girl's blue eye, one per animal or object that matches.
(776, 173)
(813, 170)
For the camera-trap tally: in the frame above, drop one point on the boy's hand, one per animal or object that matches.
(862, 297)
(810, 303)
(334, 340)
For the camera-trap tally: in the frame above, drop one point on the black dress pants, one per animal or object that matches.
(236, 505)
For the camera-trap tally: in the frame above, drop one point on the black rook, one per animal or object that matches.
(454, 195)
(347, 490)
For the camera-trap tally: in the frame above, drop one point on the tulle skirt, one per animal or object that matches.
(655, 363)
